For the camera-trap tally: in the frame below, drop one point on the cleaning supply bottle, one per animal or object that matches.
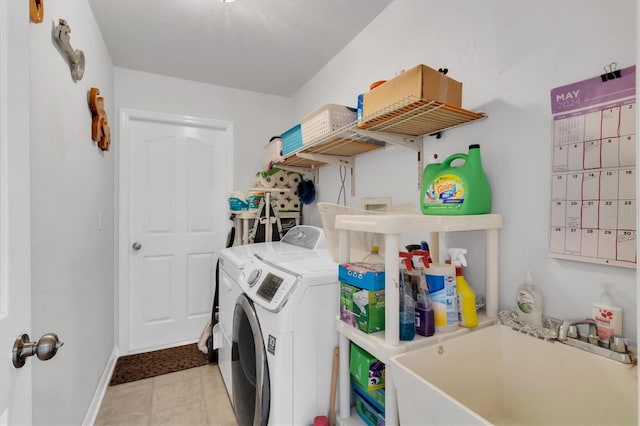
(407, 319)
(608, 316)
(425, 317)
(529, 303)
(432, 168)
(374, 257)
(441, 280)
(425, 246)
(459, 190)
(467, 315)
(406, 302)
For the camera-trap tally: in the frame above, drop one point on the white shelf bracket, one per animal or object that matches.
(411, 142)
(420, 163)
(338, 160)
(415, 143)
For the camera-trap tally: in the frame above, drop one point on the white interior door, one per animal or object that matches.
(178, 178)
(15, 273)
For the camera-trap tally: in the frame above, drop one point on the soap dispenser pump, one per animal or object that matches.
(608, 316)
(529, 303)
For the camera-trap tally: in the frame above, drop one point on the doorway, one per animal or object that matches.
(175, 174)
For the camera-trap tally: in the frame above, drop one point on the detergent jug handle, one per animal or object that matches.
(447, 163)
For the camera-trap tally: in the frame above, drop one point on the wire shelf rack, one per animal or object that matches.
(409, 117)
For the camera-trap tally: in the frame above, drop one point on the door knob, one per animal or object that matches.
(136, 246)
(45, 348)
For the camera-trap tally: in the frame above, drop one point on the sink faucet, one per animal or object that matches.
(564, 328)
(567, 334)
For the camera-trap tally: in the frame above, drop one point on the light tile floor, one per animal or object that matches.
(196, 396)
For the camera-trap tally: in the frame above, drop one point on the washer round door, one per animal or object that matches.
(249, 369)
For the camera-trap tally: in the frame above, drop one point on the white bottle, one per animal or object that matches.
(608, 316)
(441, 280)
(529, 303)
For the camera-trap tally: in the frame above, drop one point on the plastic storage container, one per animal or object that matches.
(291, 140)
(272, 152)
(325, 120)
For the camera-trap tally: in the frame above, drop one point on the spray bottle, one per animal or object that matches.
(425, 316)
(407, 304)
(467, 315)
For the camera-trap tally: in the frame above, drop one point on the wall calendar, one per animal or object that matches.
(593, 190)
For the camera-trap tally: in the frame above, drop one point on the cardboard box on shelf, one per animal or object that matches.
(366, 370)
(367, 411)
(420, 82)
(368, 276)
(362, 309)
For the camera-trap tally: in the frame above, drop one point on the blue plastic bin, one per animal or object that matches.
(291, 139)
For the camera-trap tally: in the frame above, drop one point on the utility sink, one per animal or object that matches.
(497, 375)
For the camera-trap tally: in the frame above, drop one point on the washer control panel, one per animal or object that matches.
(267, 285)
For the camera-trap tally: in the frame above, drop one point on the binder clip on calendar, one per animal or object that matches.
(611, 72)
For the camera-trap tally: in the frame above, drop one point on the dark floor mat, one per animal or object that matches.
(149, 364)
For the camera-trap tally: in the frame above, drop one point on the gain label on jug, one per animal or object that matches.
(456, 190)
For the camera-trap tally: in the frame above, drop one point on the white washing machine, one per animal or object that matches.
(278, 304)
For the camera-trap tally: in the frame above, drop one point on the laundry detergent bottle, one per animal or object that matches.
(456, 190)
(431, 170)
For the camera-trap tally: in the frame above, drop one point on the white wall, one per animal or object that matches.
(509, 55)
(255, 116)
(71, 184)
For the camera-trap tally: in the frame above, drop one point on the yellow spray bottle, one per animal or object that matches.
(467, 315)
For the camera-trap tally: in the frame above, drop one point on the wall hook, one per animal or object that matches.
(36, 11)
(100, 131)
(74, 57)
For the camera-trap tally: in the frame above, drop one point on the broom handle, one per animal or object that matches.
(334, 379)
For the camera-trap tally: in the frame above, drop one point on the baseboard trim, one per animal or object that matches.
(94, 407)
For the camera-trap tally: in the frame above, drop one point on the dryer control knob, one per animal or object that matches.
(253, 277)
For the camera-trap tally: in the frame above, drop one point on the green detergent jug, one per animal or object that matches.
(456, 190)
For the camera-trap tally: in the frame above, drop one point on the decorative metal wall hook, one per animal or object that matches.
(100, 131)
(611, 72)
(75, 57)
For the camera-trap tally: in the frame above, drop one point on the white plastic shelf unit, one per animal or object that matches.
(387, 343)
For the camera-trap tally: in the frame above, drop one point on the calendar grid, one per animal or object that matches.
(593, 190)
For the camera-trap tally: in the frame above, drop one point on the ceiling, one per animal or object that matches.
(268, 46)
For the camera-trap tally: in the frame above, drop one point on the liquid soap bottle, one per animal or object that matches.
(608, 316)
(529, 303)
